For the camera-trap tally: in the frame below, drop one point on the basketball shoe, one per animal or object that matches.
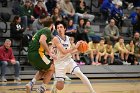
(29, 87)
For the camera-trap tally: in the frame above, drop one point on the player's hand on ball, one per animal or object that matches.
(78, 43)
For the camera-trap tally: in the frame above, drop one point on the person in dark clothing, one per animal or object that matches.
(133, 17)
(39, 10)
(4, 3)
(26, 13)
(106, 8)
(50, 4)
(16, 28)
(137, 25)
(71, 29)
(81, 31)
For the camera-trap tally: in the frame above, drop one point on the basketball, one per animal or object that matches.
(83, 47)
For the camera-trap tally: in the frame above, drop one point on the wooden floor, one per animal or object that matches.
(76, 86)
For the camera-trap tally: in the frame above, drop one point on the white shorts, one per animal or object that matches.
(65, 66)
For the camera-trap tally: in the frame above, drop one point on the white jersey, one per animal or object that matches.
(66, 44)
(64, 63)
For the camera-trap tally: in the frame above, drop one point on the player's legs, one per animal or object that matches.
(84, 79)
(37, 62)
(46, 79)
(30, 84)
(60, 74)
(74, 69)
(48, 74)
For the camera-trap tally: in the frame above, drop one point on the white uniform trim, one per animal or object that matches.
(45, 59)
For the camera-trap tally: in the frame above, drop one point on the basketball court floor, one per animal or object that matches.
(75, 86)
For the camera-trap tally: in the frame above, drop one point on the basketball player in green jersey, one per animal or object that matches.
(36, 55)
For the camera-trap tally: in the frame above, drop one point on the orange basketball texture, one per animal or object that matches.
(83, 47)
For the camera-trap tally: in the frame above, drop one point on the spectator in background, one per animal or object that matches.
(56, 15)
(68, 9)
(26, 13)
(137, 25)
(109, 53)
(38, 23)
(81, 11)
(121, 49)
(93, 51)
(106, 8)
(137, 46)
(133, 17)
(16, 28)
(7, 57)
(58, 5)
(71, 29)
(117, 14)
(111, 31)
(43, 3)
(130, 48)
(50, 4)
(81, 31)
(90, 30)
(136, 38)
(39, 9)
(102, 51)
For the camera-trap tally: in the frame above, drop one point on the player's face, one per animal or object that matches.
(60, 29)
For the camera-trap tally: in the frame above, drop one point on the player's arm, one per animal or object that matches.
(60, 47)
(75, 50)
(43, 43)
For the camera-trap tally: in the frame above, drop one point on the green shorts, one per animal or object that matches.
(36, 61)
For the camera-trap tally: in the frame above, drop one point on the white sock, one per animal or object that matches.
(33, 80)
(44, 86)
(84, 79)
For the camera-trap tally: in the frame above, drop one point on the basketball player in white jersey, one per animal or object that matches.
(64, 62)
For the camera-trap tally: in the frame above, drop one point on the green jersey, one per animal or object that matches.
(36, 52)
(34, 45)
